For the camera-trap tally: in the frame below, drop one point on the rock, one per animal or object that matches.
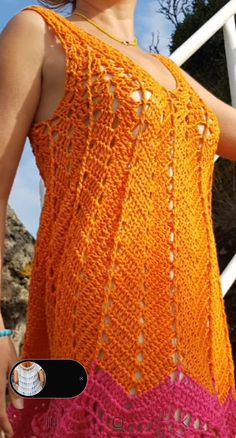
(17, 262)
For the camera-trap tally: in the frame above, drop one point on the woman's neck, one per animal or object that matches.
(115, 16)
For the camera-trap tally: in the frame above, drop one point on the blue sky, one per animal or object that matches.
(24, 197)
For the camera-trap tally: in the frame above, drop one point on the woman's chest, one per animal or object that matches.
(90, 94)
(55, 79)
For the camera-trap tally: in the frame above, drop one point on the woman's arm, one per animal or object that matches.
(226, 115)
(21, 61)
(41, 377)
(15, 377)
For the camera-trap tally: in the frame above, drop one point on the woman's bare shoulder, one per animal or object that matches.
(25, 21)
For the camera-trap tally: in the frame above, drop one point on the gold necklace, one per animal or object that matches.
(126, 43)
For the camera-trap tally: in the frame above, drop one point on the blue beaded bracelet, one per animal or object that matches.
(6, 332)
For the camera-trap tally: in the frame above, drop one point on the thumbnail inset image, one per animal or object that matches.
(28, 378)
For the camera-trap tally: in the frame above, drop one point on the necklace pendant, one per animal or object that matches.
(126, 43)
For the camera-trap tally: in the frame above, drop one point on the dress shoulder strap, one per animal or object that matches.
(175, 69)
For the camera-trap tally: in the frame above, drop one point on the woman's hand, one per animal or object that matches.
(8, 360)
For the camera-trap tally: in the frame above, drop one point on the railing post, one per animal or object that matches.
(229, 31)
(228, 275)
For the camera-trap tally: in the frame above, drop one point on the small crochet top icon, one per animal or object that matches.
(28, 378)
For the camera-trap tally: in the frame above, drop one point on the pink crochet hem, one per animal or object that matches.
(179, 408)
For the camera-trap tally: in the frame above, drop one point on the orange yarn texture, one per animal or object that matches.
(125, 269)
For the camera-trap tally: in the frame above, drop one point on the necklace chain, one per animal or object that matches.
(126, 43)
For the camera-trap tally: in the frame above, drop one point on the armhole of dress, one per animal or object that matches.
(61, 32)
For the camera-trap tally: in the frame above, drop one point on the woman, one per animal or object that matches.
(29, 378)
(125, 276)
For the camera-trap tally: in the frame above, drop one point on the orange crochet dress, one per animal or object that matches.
(125, 276)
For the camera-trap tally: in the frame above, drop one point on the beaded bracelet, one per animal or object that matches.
(6, 332)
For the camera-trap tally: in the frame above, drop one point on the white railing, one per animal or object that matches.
(224, 18)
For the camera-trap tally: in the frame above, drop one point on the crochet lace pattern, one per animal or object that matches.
(125, 275)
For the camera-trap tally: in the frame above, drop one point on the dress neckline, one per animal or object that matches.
(142, 72)
(27, 368)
